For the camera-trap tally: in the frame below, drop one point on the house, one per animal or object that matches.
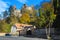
(22, 29)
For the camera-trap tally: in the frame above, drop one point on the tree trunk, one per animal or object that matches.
(48, 36)
(48, 32)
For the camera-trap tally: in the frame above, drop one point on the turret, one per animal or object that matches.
(24, 6)
(14, 7)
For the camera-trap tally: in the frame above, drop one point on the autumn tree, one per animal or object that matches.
(25, 18)
(30, 11)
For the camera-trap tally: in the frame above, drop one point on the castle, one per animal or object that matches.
(18, 13)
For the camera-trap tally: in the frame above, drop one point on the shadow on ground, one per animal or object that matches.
(32, 36)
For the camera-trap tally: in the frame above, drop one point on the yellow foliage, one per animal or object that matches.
(25, 18)
(46, 6)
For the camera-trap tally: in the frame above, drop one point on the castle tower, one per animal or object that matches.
(23, 10)
(24, 6)
(14, 7)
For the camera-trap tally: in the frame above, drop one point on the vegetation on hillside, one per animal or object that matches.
(45, 18)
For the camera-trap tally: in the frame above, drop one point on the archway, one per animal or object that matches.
(29, 32)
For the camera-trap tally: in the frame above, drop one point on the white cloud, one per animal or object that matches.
(22, 1)
(3, 6)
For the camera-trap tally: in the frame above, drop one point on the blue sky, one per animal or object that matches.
(4, 4)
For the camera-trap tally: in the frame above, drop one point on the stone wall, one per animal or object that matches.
(40, 32)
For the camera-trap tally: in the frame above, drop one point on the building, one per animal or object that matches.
(17, 13)
(22, 29)
(25, 8)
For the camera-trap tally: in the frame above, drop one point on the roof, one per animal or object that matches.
(18, 25)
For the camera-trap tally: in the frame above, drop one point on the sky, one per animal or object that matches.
(4, 4)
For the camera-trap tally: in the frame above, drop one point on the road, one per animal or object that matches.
(20, 38)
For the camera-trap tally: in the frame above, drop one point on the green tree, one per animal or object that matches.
(47, 16)
(4, 27)
(11, 10)
(5, 13)
(40, 20)
(56, 4)
(13, 19)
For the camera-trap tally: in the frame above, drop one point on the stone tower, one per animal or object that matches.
(23, 10)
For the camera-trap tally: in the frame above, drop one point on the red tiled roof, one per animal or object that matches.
(18, 25)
